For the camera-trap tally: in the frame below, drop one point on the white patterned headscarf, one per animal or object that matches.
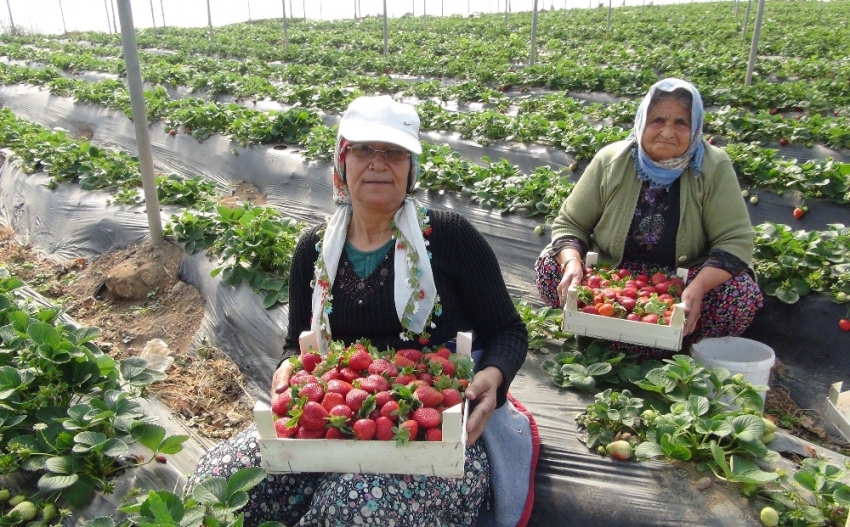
(378, 119)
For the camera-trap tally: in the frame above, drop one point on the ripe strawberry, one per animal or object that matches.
(301, 378)
(783, 142)
(354, 399)
(590, 310)
(433, 434)
(774, 111)
(374, 383)
(462, 385)
(349, 374)
(627, 303)
(310, 360)
(844, 324)
(650, 319)
(332, 399)
(428, 396)
(633, 317)
(406, 431)
(425, 378)
(334, 433)
(312, 391)
(798, 213)
(445, 365)
(390, 410)
(313, 417)
(412, 354)
(384, 429)
(711, 140)
(280, 406)
(331, 375)
(403, 362)
(364, 429)
(383, 367)
(404, 379)
(339, 386)
(341, 410)
(657, 278)
(427, 417)
(282, 430)
(303, 433)
(621, 450)
(451, 397)
(360, 360)
(444, 352)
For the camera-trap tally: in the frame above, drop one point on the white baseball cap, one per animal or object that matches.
(381, 119)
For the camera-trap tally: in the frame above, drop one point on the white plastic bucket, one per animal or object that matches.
(738, 355)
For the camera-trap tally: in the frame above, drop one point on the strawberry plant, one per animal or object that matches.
(816, 494)
(543, 324)
(70, 412)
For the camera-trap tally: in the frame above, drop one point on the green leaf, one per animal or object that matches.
(52, 482)
(102, 521)
(162, 507)
(211, 491)
(150, 435)
(698, 405)
(245, 479)
(132, 367)
(745, 471)
(675, 450)
(599, 368)
(64, 464)
(648, 450)
(747, 427)
(842, 496)
(42, 333)
(173, 444)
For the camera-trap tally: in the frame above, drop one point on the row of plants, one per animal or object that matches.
(255, 242)
(758, 166)
(681, 410)
(640, 47)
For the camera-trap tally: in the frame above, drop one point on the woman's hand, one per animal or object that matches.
(280, 379)
(692, 298)
(573, 272)
(482, 391)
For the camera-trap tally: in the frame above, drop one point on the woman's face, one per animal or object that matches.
(375, 182)
(668, 130)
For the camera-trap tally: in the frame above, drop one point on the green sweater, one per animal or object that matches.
(712, 215)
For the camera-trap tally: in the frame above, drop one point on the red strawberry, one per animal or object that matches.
(331, 374)
(446, 365)
(374, 383)
(312, 391)
(844, 324)
(657, 278)
(384, 429)
(774, 111)
(633, 317)
(407, 431)
(339, 386)
(412, 354)
(383, 367)
(332, 399)
(403, 362)
(425, 378)
(404, 379)
(364, 429)
(462, 385)
(798, 213)
(783, 142)
(650, 319)
(390, 410)
(360, 360)
(343, 411)
(280, 406)
(433, 434)
(594, 281)
(354, 399)
(427, 417)
(313, 416)
(711, 140)
(451, 397)
(348, 374)
(444, 352)
(428, 396)
(310, 360)
(627, 303)
(334, 433)
(590, 310)
(172, 132)
(282, 430)
(301, 378)
(303, 433)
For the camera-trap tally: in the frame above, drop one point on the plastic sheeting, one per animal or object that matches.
(573, 485)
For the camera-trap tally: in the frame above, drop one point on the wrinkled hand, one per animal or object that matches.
(482, 390)
(573, 275)
(280, 380)
(692, 298)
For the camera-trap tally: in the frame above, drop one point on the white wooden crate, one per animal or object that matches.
(621, 330)
(432, 458)
(838, 410)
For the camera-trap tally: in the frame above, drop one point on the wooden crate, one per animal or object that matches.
(432, 458)
(838, 410)
(621, 330)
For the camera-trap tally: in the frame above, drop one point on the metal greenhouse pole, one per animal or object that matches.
(249, 10)
(755, 44)
(746, 19)
(285, 28)
(610, 8)
(140, 120)
(153, 16)
(12, 20)
(304, 9)
(114, 18)
(506, 13)
(105, 6)
(62, 12)
(386, 44)
(209, 20)
(162, 9)
(533, 35)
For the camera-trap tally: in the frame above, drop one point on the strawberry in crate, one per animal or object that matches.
(357, 392)
(619, 294)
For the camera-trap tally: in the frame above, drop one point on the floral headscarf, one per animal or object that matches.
(666, 172)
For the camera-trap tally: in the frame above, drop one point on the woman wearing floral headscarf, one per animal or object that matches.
(387, 269)
(663, 198)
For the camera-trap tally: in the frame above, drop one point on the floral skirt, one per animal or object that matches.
(350, 499)
(727, 310)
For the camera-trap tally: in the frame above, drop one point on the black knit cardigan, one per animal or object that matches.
(469, 282)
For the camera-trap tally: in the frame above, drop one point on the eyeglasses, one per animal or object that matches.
(391, 155)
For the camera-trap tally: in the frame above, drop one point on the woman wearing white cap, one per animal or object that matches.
(387, 269)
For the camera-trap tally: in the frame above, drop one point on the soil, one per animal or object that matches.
(143, 309)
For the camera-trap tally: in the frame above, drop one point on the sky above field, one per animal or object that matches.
(46, 16)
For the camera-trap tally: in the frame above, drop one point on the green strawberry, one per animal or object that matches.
(26, 509)
(48, 512)
(20, 498)
(767, 438)
(621, 450)
(769, 517)
(4, 495)
(769, 426)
